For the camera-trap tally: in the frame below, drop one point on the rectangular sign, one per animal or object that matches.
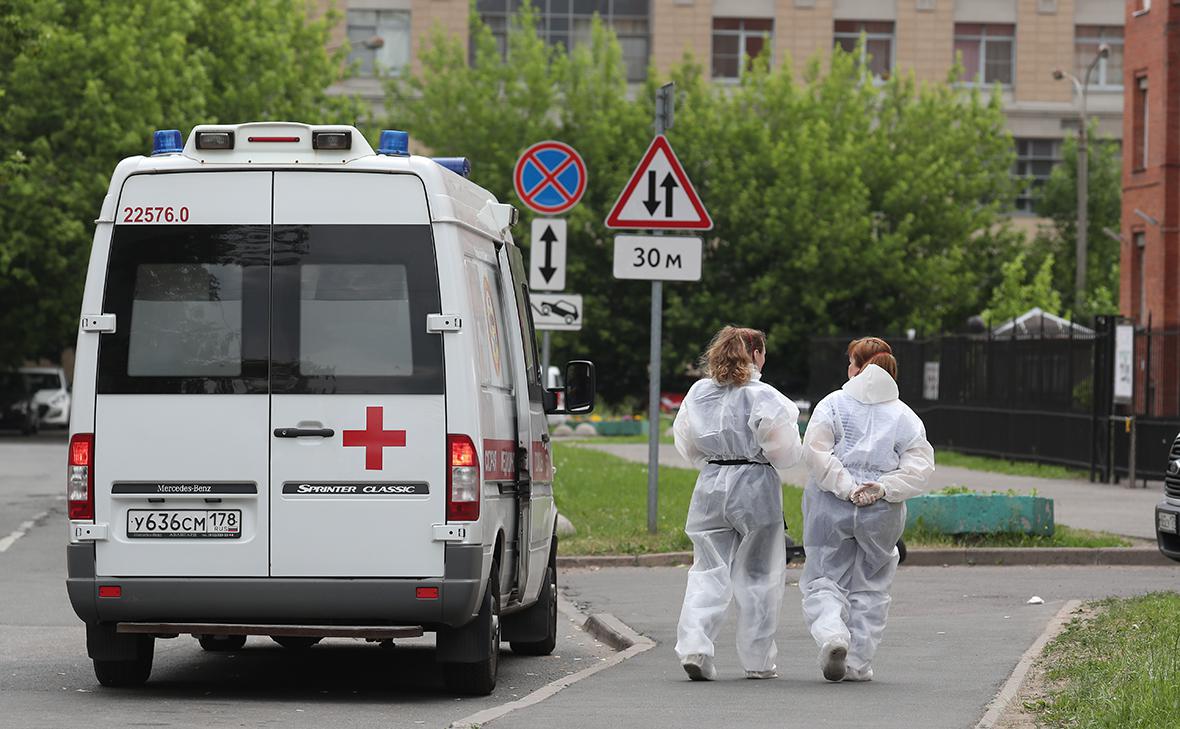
(1124, 363)
(657, 258)
(557, 312)
(930, 381)
(547, 255)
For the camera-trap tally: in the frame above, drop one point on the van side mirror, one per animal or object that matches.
(578, 393)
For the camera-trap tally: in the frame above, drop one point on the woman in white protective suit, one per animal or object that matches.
(866, 453)
(736, 429)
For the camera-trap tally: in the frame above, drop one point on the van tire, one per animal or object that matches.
(479, 678)
(124, 674)
(218, 643)
(295, 642)
(544, 611)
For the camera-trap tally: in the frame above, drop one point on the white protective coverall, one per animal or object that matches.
(858, 434)
(735, 519)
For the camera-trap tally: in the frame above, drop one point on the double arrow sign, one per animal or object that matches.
(669, 184)
(547, 261)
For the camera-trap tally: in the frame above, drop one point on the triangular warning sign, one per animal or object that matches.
(659, 196)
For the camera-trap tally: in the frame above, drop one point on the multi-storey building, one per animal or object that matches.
(1016, 44)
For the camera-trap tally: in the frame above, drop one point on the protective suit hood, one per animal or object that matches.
(873, 385)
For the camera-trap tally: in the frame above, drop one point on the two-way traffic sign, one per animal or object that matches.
(547, 255)
(659, 195)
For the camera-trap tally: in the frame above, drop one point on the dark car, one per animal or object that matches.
(1167, 512)
(17, 411)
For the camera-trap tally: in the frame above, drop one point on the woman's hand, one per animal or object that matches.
(868, 493)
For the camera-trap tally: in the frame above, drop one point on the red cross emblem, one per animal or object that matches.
(374, 438)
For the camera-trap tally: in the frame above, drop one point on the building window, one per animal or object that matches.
(1035, 160)
(738, 38)
(1139, 125)
(567, 23)
(380, 40)
(989, 52)
(877, 53)
(1108, 73)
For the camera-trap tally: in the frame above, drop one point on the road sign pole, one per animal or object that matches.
(545, 358)
(665, 100)
(653, 407)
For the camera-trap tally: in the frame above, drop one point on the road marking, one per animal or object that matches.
(639, 644)
(1011, 688)
(23, 529)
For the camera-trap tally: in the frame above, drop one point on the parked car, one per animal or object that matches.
(17, 411)
(1167, 512)
(51, 395)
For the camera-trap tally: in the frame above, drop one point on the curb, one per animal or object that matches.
(602, 626)
(930, 557)
(998, 706)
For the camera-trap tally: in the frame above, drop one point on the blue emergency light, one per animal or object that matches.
(394, 142)
(458, 165)
(167, 141)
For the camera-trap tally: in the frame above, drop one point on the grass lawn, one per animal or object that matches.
(1119, 668)
(999, 465)
(606, 499)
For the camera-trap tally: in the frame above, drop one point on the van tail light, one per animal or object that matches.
(80, 479)
(462, 479)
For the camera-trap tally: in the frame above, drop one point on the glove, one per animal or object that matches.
(869, 493)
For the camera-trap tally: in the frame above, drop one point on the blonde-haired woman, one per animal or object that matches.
(867, 453)
(737, 430)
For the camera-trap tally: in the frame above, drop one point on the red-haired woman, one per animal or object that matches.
(737, 430)
(866, 453)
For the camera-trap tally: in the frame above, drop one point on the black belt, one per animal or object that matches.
(737, 462)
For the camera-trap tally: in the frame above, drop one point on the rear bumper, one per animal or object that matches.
(1169, 544)
(373, 601)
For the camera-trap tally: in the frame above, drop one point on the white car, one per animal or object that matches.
(317, 408)
(51, 395)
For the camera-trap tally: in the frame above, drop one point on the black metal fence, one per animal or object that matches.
(1048, 399)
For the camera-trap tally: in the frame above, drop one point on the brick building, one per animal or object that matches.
(1150, 259)
(1016, 43)
(1150, 256)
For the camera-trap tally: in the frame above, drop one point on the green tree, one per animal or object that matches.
(1016, 294)
(1058, 201)
(85, 82)
(839, 205)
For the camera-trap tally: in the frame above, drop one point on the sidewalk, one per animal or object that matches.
(1076, 503)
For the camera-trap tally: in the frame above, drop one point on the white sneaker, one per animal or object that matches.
(831, 659)
(859, 674)
(699, 667)
(758, 675)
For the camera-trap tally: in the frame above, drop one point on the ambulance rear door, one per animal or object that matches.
(358, 418)
(181, 406)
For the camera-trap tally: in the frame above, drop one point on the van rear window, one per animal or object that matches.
(259, 309)
(191, 309)
(350, 308)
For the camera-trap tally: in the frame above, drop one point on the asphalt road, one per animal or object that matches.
(954, 636)
(46, 680)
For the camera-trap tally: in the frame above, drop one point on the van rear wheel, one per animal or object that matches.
(546, 610)
(295, 642)
(479, 678)
(217, 643)
(124, 674)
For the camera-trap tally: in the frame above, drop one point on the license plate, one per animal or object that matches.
(184, 524)
(1166, 521)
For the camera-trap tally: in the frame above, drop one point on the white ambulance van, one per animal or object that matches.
(308, 404)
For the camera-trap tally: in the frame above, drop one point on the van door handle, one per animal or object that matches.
(304, 432)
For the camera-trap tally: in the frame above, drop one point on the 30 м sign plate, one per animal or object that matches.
(657, 258)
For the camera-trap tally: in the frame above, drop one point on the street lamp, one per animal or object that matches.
(1082, 87)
